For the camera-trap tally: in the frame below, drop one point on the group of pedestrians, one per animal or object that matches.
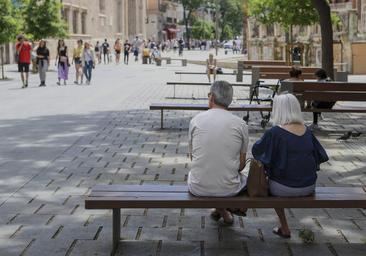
(83, 58)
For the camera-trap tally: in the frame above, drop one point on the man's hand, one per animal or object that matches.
(243, 158)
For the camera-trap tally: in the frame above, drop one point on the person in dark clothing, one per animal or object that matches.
(322, 76)
(105, 49)
(43, 60)
(127, 49)
(291, 155)
(62, 62)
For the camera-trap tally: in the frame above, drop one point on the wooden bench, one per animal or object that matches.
(249, 64)
(167, 59)
(117, 197)
(329, 92)
(243, 108)
(184, 61)
(202, 107)
(200, 84)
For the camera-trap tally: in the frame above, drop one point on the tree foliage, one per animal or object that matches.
(284, 12)
(9, 25)
(203, 29)
(231, 18)
(43, 19)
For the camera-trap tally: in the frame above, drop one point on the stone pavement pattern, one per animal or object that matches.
(57, 142)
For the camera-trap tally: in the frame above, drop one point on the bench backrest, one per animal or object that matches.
(248, 64)
(329, 91)
(283, 69)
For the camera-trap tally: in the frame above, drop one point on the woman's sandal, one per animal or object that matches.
(237, 212)
(278, 231)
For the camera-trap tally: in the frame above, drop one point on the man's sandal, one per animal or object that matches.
(278, 231)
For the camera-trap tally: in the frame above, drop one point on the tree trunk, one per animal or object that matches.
(186, 20)
(2, 62)
(323, 9)
(245, 28)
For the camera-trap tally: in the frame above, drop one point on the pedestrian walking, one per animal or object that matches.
(97, 52)
(43, 60)
(136, 53)
(62, 62)
(76, 58)
(181, 46)
(117, 49)
(105, 51)
(23, 50)
(88, 62)
(127, 49)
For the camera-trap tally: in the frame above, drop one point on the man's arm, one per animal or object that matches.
(243, 159)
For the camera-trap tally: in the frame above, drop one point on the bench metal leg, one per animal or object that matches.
(116, 229)
(162, 119)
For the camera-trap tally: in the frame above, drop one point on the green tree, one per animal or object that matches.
(189, 7)
(203, 29)
(231, 18)
(8, 28)
(43, 19)
(287, 13)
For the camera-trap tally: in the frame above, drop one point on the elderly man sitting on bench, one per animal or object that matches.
(218, 142)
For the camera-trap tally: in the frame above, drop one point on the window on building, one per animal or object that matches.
(255, 30)
(65, 15)
(102, 6)
(83, 23)
(363, 16)
(75, 16)
(270, 30)
(169, 20)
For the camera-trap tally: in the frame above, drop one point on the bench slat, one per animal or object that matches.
(184, 189)
(182, 106)
(187, 201)
(299, 87)
(334, 96)
(246, 107)
(140, 188)
(203, 84)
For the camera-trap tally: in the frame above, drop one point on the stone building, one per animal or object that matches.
(269, 42)
(97, 19)
(164, 17)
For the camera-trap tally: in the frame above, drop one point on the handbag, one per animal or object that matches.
(257, 182)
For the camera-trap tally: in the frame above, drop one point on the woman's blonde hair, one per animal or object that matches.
(286, 110)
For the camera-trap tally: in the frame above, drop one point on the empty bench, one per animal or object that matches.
(183, 61)
(117, 197)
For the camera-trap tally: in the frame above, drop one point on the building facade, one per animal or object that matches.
(95, 20)
(269, 41)
(164, 19)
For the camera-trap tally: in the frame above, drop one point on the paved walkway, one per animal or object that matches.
(58, 141)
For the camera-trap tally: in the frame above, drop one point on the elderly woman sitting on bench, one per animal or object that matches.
(218, 142)
(290, 154)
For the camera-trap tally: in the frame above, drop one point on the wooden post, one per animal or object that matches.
(116, 229)
(162, 119)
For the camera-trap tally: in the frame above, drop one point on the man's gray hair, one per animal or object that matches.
(222, 92)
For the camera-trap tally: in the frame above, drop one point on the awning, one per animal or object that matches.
(173, 30)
